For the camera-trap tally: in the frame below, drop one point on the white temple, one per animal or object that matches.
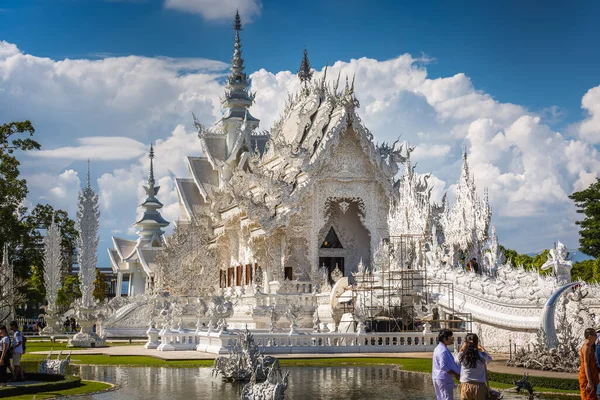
(310, 220)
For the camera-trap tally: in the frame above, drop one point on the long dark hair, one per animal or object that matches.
(470, 355)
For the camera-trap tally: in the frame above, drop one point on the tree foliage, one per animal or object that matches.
(100, 286)
(588, 204)
(68, 293)
(21, 229)
(525, 260)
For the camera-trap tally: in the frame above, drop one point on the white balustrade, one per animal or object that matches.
(304, 342)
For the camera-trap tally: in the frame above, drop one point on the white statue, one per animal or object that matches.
(557, 261)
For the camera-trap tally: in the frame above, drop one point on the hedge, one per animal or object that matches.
(51, 382)
(536, 381)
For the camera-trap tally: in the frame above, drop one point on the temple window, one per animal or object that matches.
(248, 274)
(238, 275)
(287, 273)
(230, 277)
(331, 240)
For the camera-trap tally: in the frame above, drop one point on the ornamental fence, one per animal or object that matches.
(296, 343)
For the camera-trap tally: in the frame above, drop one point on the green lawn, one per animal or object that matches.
(86, 387)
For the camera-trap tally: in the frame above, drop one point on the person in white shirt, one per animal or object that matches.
(472, 359)
(4, 360)
(17, 350)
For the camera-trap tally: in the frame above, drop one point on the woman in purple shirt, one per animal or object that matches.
(444, 367)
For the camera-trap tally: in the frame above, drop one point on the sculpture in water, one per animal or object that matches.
(273, 388)
(524, 385)
(52, 272)
(245, 362)
(86, 310)
(57, 367)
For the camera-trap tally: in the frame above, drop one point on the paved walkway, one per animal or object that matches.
(496, 366)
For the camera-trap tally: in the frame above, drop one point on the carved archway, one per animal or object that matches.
(346, 217)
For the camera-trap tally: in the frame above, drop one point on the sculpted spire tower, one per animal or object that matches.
(151, 224)
(237, 97)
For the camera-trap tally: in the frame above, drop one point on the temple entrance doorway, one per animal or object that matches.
(344, 240)
(331, 263)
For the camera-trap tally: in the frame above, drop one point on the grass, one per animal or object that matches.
(47, 345)
(130, 361)
(86, 387)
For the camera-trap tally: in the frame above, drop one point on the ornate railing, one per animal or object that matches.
(303, 342)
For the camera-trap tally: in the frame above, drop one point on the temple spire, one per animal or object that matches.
(151, 222)
(151, 181)
(305, 73)
(237, 99)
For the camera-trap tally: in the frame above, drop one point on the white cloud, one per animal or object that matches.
(218, 9)
(589, 129)
(97, 148)
(58, 190)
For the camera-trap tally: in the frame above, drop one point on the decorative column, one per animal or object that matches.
(52, 273)
(119, 288)
(88, 221)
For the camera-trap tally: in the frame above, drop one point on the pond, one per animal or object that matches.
(347, 383)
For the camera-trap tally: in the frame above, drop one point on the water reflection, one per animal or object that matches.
(348, 383)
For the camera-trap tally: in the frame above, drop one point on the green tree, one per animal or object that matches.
(13, 189)
(68, 293)
(587, 270)
(36, 291)
(100, 286)
(588, 204)
(38, 221)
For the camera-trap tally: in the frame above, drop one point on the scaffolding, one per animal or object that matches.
(397, 297)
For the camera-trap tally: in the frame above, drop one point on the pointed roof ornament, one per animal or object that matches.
(352, 85)
(237, 21)
(89, 181)
(324, 75)
(337, 83)
(305, 72)
(151, 181)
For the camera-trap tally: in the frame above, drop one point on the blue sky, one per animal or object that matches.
(515, 50)
(102, 79)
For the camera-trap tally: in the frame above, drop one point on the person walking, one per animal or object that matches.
(472, 359)
(4, 356)
(444, 368)
(17, 351)
(588, 370)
